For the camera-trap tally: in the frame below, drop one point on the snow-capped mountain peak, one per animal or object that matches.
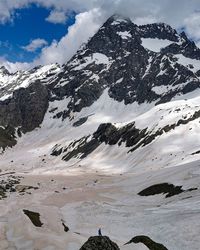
(134, 65)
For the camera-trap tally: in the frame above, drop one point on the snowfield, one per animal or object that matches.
(110, 201)
(155, 44)
(102, 188)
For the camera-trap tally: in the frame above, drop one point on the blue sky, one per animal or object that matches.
(29, 24)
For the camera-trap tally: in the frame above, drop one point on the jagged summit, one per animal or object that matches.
(132, 64)
(159, 30)
(121, 58)
(4, 70)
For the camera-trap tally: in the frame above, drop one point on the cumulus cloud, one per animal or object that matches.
(7, 8)
(166, 10)
(57, 17)
(192, 25)
(78, 33)
(92, 13)
(35, 45)
(13, 67)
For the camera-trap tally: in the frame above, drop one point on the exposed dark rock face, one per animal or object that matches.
(57, 150)
(99, 243)
(130, 72)
(7, 137)
(2, 192)
(148, 242)
(26, 109)
(34, 217)
(4, 71)
(107, 133)
(164, 188)
(187, 48)
(195, 153)
(128, 134)
(159, 30)
(81, 148)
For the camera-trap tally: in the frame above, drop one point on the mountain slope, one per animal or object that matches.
(84, 139)
(114, 78)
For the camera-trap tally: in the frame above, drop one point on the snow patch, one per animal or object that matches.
(159, 90)
(155, 44)
(124, 34)
(97, 58)
(192, 64)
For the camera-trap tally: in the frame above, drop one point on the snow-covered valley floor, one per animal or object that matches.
(85, 202)
(102, 189)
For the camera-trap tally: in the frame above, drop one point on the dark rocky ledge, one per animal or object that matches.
(99, 243)
(34, 217)
(107, 133)
(164, 188)
(25, 111)
(148, 242)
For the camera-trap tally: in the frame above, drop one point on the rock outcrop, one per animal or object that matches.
(26, 109)
(148, 242)
(99, 243)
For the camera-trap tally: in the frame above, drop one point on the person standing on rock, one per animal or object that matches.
(99, 232)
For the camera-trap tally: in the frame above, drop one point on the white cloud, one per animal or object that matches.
(78, 33)
(13, 67)
(166, 10)
(7, 8)
(145, 20)
(192, 25)
(92, 13)
(57, 17)
(63, 50)
(35, 45)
